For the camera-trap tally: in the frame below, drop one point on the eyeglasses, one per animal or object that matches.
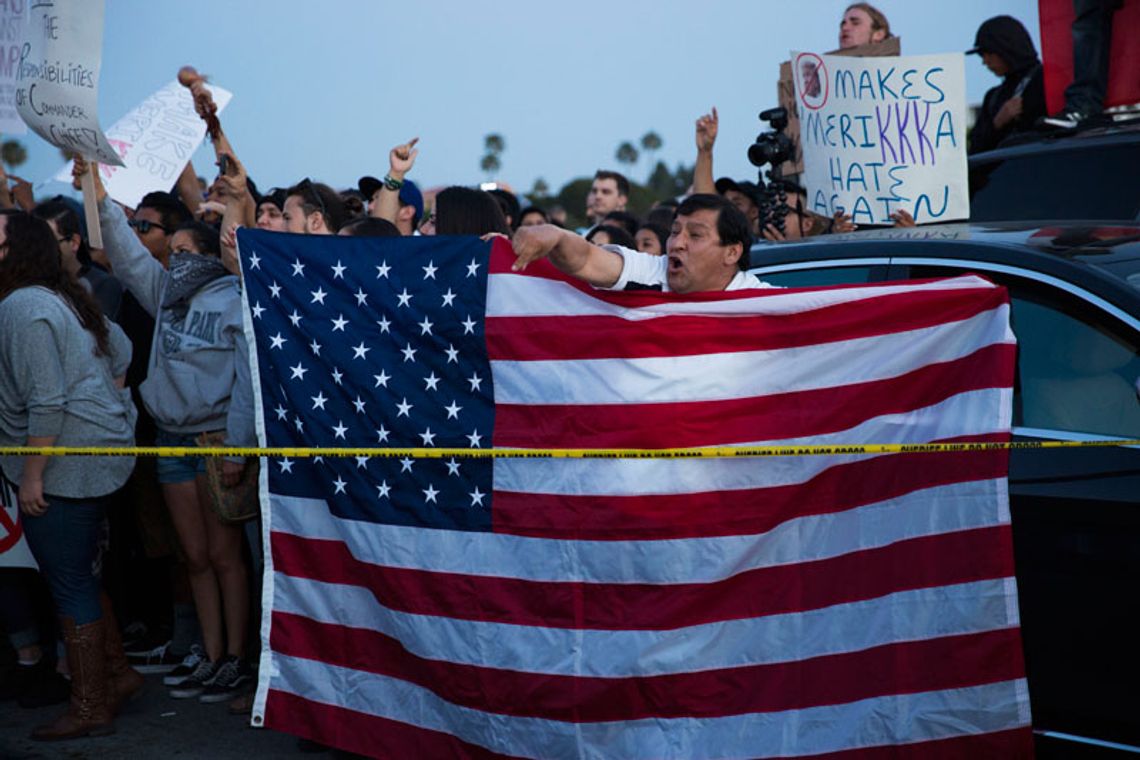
(144, 226)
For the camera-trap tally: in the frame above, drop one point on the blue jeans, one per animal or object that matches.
(66, 543)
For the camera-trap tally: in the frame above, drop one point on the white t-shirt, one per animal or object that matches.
(652, 271)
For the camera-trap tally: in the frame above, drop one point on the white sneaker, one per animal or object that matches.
(186, 668)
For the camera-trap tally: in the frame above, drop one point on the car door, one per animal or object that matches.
(1075, 512)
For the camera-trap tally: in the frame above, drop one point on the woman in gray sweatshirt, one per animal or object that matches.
(198, 381)
(61, 383)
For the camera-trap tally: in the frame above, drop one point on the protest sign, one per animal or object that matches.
(13, 14)
(14, 550)
(786, 95)
(155, 140)
(884, 134)
(57, 76)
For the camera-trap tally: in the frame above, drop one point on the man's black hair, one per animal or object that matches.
(509, 205)
(731, 224)
(622, 182)
(627, 221)
(369, 226)
(319, 197)
(618, 236)
(172, 212)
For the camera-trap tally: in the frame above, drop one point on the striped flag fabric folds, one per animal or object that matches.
(854, 606)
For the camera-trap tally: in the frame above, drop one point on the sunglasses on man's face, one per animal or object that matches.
(144, 226)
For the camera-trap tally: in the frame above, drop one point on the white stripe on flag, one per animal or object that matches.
(706, 377)
(900, 617)
(509, 295)
(954, 507)
(966, 414)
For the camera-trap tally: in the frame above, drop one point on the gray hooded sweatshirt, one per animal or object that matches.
(198, 378)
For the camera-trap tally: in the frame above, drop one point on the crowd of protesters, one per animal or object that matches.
(141, 342)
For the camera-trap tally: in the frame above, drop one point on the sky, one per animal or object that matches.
(326, 88)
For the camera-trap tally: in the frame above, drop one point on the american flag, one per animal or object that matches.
(857, 606)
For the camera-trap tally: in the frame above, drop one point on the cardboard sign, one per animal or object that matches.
(155, 141)
(57, 76)
(13, 14)
(786, 96)
(882, 134)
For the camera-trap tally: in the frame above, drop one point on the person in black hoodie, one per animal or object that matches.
(1019, 101)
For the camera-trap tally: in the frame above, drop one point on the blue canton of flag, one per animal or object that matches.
(374, 342)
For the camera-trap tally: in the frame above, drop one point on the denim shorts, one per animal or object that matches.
(178, 469)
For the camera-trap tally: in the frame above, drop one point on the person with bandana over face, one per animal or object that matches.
(197, 382)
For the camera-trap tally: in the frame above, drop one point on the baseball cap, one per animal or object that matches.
(410, 194)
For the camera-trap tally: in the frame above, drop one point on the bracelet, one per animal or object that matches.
(391, 183)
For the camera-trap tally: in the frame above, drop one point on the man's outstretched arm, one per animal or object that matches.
(568, 251)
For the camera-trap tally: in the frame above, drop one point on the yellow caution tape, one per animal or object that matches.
(709, 452)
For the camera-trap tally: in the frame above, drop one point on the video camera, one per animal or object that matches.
(772, 147)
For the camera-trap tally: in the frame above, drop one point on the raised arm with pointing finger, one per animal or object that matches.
(385, 202)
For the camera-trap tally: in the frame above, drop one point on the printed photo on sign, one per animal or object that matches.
(811, 81)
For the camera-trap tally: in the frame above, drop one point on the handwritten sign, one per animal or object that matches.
(57, 76)
(883, 134)
(786, 95)
(155, 140)
(13, 14)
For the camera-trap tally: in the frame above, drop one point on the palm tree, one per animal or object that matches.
(494, 143)
(540, 188)
(13, 153)
(651, 142)
(490, 164)
(626, 154)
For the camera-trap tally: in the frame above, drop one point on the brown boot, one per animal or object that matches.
(88, 713)
(123, 681)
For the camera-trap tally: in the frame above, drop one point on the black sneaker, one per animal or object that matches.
(233, 675)
(1065, 120)
(185, 668)
(195, 683)
(160, 659)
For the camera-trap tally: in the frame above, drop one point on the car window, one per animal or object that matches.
(1073, 184)
(1077, 366)
(806, 278)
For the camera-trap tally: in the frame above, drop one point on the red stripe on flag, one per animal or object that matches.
(362, 733)
(738, 420)
(606, 337)
(929, 561)
(905, 668)
(737, 512)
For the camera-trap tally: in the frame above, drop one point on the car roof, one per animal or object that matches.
(1093, 138)
(1101, 256)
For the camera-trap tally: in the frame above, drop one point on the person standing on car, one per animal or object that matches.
(1019, 101)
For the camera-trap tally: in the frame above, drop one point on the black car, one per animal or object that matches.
(1086, 174)
(1075, 293)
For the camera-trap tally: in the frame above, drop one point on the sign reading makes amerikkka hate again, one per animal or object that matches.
(57, 79)
(881, 135)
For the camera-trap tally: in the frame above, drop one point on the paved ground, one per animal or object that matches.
(151, 726)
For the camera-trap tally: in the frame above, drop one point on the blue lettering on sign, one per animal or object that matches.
(923, 140)
(865, 84)
(884, 139)
(884, 86)
(860, 209)
(855, 174)
(866, 135)
(945, 120)
(845, 130)
(929, 209)
(931, 85)
(844, 79)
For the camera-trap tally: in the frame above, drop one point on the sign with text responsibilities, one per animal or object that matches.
(57, 81)
(884, 134)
